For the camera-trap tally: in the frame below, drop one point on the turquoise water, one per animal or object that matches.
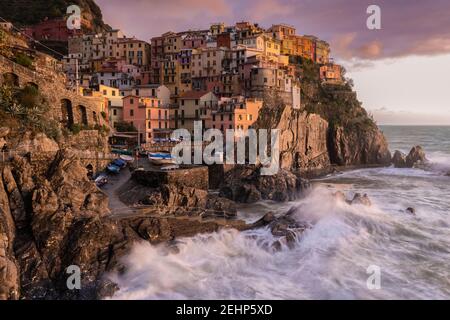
(330, 261)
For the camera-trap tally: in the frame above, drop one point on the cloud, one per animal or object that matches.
(408, 27)
(383, 116)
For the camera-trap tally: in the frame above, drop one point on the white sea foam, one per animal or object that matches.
(329, 262)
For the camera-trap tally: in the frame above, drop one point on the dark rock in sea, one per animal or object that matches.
(399, 159)
(361, 199)
(411, 211)
(245, 184)
(416, 157)
(286, 227)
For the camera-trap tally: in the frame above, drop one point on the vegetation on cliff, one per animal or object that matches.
(350, 136)
(336, 103)
(31, 12)
(25, 110)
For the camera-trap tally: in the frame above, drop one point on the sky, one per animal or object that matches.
(399, 71)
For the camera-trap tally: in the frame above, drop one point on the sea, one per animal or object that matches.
(351, 252)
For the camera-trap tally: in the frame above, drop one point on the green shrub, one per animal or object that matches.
(23, 60)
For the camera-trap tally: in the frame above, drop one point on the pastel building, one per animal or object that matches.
(149, 116)
(191, 106)
(237, 113)
(115, 104)
(331, 73)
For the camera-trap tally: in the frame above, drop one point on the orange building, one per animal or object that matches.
(233, 113)
(331, 73)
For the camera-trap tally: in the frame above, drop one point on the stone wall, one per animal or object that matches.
(193, 177)
(52, 84)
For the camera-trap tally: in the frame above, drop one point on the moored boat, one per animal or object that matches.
(161, 158)
(113, 168)
(127, 158)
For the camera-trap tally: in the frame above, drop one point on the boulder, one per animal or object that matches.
(416, 157)
(285, 227)
(36, 143)
(245, 184)
(411, 211)
(4, 131)
(399, 159)
(361, 199)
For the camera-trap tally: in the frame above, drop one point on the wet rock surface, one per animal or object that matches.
(415, 158)
(285, 227)
(245, 184)
(53, 221)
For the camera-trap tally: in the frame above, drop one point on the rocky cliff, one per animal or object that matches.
(332, 128)
(51, 221)
(30, 12)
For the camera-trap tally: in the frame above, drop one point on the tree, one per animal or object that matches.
(125, 127)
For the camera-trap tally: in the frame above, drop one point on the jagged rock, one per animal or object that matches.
(358, 147)
(245, 184)
(302, 139)
(399, 159)
(4, 131)
(284, 226)
(415, 157)
(361, 199)
(411, 211)
(2, 143)
(16, 203)
(37, 143)
(9, 278)
(68, 179)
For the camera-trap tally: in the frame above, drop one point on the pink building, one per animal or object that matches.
(149, 116)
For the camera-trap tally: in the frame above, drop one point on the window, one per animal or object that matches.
(149, 124)
(131, 101)
(131, 113)
(196, 102)
(115, 112)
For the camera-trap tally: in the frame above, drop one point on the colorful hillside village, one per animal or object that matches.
(218, 75)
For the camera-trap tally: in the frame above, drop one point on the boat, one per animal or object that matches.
(113, 168)
(161, 158)
(120, 163)
(170, 168)
(126, 158)
(101, 180)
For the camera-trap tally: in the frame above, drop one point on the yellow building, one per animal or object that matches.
(190, 109)
(133, 51)
(322, 52)
(217, 28)
(281, 31)
(265, 44)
